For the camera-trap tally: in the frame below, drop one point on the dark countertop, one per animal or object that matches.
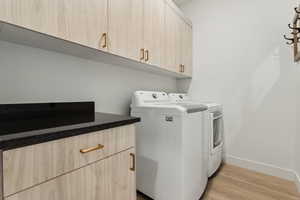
(19, 132)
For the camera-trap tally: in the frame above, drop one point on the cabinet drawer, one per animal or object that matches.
(108, 179)
(32, 165)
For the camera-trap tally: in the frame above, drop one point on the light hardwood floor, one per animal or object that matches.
(234, 183)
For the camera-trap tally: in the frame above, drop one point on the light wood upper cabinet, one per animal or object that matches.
(178, 43)
(149, 31)
(86, 22)
(172, 39)
(109, 179)
(46, 16)
(79, 21)
(186, 49)
(125, 28)
(154, 24)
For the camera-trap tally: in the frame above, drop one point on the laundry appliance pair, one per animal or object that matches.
(179, 144)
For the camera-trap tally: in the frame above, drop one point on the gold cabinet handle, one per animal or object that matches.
(142, 57)
(181, 68)
(147, 55)
(133, 162)
(99, 146)
(104, 37)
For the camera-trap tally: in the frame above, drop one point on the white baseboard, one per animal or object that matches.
(262, 168)
(297, 181)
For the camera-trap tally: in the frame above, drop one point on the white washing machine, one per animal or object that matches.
(170, 147)
(214, 128)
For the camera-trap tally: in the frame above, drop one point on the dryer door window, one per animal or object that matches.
(217, 131)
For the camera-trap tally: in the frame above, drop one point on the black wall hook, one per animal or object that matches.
(292, 40)
(296, 10)
(294, 28)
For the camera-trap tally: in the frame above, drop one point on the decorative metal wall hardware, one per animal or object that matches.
(295, 39)
(296, 30)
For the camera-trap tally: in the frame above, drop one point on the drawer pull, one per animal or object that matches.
(100, 146)
(133, 162)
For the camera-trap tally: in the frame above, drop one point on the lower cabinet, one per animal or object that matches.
(110, 179)
(93, 166)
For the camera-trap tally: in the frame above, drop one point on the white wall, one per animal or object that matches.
(296, 155)
(34, 75)
(241, 60)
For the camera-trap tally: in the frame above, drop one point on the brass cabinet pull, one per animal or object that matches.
(99, 146)
(133, 162)
(104, 36)
(147, 55)
(142, 57)
(181, 68)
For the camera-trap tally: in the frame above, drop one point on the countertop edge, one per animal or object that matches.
(51, 136)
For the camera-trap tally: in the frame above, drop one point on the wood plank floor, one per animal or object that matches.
(234, 183)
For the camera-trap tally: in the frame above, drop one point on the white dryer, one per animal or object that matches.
(170, 147)
(214, 129)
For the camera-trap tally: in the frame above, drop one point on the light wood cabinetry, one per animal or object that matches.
(86, 22)
(153, 32)
(178, 43)
(125, 28)
(44, 16)
(172, 40)
(154, 24)
(92, 166)
(108, 179)
(186, 48)
(79, 21)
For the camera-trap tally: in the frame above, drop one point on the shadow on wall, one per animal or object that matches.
(262, 114)
(245, 65)
(264, 78)
(264, 109)
(183, 85)
(36, 75)
(252, 95)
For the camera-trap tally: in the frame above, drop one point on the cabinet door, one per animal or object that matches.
(186, 48)
(172, 40)
(87, 22)
(78, 21)
(46, 16)
(154, 26)
(109, 179)
(125, 28)
(32, 165)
